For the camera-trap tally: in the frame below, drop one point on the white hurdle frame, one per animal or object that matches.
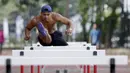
(58, 53)
(8, 61)
(104, 60)
(60, 48)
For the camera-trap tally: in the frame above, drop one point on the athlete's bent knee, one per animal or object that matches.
(46, 40)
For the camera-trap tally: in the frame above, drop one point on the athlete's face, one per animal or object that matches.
(45, 15)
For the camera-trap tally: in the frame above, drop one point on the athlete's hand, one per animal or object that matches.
(27, 37)
(69, 31)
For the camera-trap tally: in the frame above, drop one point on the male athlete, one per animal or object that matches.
(45, 23)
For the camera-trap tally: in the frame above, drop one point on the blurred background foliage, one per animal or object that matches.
(111, 15)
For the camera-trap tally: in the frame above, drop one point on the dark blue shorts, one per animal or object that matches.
(57, 40)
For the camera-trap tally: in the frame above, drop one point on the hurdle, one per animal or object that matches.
(60, 48)
(8, 61)
(58, 53)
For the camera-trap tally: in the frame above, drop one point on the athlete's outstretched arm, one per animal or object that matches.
(28, 28)
(65, 21)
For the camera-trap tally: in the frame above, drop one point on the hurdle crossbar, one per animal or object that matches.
(119, 60)
(60, 48)
(58, 53)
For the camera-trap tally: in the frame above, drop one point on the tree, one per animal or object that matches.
(84, 5)
(110, 22)
(3, 2)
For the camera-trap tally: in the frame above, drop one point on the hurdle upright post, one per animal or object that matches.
(95, 66)
(84, 69)
(57, 71)
(21, 68)
(95, 69)
(38, 69)
(8, 66)
(88, 68)
(112, 65)
(32, 69)
(65, 71)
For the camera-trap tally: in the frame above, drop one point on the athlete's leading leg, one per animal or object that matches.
(43, 34)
